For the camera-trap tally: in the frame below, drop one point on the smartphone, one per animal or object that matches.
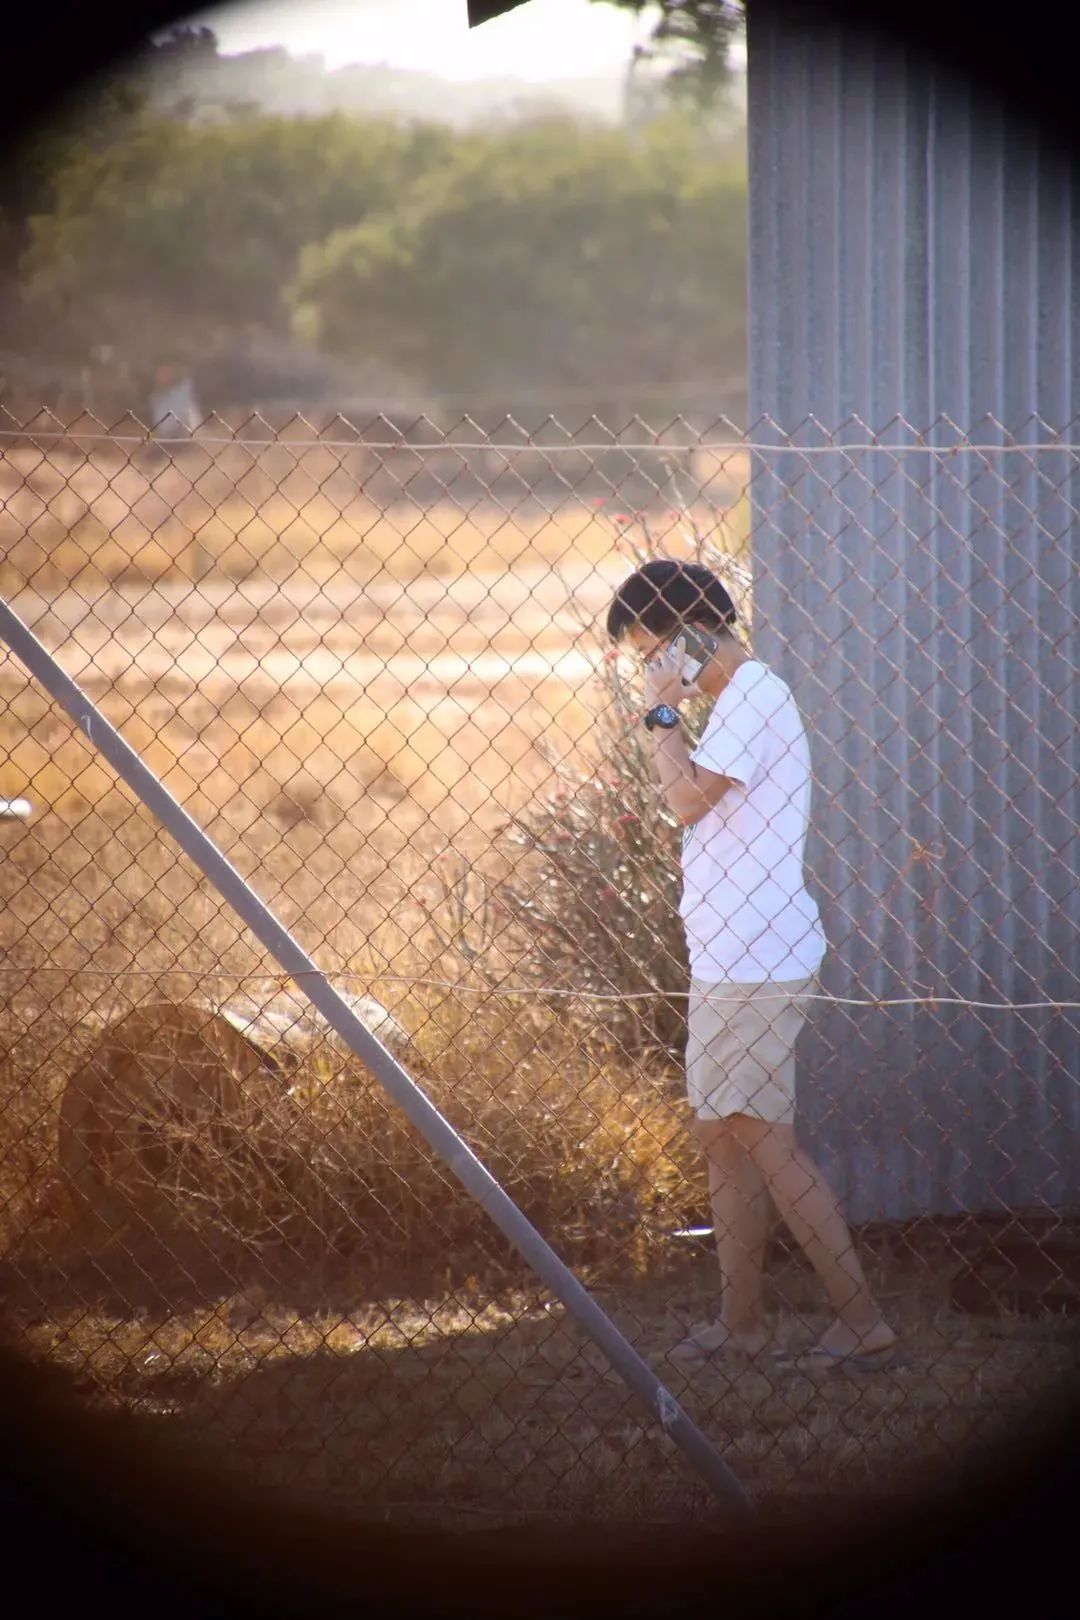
(700, 648)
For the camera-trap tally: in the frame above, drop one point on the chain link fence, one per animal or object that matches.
(369, 661)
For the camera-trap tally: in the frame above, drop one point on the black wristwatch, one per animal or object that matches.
(663, 716)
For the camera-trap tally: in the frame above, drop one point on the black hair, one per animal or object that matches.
(664, 594)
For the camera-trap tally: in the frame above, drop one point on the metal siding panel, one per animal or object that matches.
(1059, 695)
(971, 815)
(911, 255)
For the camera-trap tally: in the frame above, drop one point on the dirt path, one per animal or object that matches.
(427, 635)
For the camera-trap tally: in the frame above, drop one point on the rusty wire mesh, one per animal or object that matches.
(370, 662)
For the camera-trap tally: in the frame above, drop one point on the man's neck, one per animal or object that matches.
(728, 657)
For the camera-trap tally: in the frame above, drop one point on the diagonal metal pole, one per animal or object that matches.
(476, 1178)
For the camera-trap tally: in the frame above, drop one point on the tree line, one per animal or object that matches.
(552, 256)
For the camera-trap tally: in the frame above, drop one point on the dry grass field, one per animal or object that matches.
(350, 700)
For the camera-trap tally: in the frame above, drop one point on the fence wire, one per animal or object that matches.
(370, 662)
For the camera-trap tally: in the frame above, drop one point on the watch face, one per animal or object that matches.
(663, 715)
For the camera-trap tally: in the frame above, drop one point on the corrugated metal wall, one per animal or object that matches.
(914, 255)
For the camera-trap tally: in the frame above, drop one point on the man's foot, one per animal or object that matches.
(841, 1346)
(716, 1338)
(841, 1340)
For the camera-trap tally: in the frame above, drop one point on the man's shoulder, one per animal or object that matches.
(762, 687)
(770, 699)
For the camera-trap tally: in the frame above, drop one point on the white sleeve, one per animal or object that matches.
(735, 742)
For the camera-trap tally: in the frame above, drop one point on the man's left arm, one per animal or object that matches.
(689, 790)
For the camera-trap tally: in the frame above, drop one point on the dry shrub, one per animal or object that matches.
(594, 881)
(592, 1149)
(176, 1125)
(184, 1110)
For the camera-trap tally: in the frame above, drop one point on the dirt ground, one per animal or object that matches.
(478, 1404)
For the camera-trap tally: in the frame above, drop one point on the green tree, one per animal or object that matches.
(88, 122)
(98, 115)
(544, 256)
(175, 232)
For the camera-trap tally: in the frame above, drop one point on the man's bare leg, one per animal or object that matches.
(740, 1205)
(810, 1210)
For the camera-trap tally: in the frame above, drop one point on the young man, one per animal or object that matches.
(755, 944)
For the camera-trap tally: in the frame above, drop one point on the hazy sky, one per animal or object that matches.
(533, 42)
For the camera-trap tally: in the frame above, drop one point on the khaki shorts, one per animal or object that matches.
(740, 1053)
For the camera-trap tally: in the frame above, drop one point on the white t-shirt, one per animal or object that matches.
(745, 907)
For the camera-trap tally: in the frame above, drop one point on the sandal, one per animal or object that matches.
(821, 1359)
(708, 1339)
